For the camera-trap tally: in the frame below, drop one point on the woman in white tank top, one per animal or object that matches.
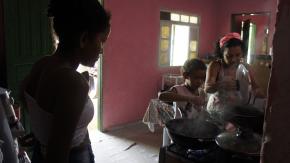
(221, 82)
(55, 93)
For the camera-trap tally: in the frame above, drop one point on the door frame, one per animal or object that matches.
(100, 90)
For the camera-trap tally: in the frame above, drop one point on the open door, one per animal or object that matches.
(99, 110)
(27, 38)
(245, 33)
(248, 34)
(254, 29)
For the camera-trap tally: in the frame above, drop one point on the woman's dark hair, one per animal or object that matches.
(73, 17)
(219, 51)
(192, 65)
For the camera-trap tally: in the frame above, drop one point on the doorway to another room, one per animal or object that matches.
(93, 77)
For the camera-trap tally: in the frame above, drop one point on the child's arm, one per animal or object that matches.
(171, 96)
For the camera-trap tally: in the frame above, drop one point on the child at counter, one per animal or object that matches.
(189, 96)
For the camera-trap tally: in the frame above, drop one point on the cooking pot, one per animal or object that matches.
(241, 143)
(245, 117)
(192, 133)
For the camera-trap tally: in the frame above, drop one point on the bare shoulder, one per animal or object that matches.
(31, 81)
(212, 72)
(67, 78)
(214, 64)
(53, 84)
(70, 91)
(57, 74)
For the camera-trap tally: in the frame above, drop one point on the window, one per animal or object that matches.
(178, 38)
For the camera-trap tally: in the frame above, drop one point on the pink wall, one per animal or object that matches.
(228, 7)
(131, 75)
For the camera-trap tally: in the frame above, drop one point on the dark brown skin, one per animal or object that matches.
(231, 59)
(60, 90)
(193, 82)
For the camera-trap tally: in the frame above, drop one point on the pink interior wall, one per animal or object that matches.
(228, 7)
(131, 75)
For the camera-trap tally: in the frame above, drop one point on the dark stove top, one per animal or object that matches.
(177, 154)
(208, 155)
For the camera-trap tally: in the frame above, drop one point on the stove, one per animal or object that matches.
(177, 154)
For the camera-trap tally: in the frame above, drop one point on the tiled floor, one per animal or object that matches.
(130, 144)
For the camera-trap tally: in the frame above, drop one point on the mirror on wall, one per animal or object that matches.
(254, 30)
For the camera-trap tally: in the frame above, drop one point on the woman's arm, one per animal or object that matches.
(211, 77)
(255, 87)
(70, 98)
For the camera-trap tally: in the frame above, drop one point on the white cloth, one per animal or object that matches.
(10, 153)
(158, 112)
(41, 121)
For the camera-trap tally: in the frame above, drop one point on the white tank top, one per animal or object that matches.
(41, 121)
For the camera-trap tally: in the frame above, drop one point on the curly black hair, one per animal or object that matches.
(192, 65)
(219, 51)
(73, 17)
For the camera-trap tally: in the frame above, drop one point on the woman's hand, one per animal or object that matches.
(258, 93)
(229, 127)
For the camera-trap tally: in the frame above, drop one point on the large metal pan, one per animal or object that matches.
(245, 117)
(192, 133)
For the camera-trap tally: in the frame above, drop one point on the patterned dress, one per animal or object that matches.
(188, 110)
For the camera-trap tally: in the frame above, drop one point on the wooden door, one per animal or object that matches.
(27, 37)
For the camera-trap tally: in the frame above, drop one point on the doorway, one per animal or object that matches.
(94, 79)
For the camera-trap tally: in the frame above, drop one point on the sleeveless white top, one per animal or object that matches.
(41, 121)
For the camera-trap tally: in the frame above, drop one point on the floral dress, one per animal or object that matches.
(188, 110)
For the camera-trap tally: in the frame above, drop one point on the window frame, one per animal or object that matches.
(193, 27)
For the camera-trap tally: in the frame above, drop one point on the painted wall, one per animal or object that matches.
(228, 7)
(131, 75)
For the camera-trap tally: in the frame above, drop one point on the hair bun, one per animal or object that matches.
(54, 7)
